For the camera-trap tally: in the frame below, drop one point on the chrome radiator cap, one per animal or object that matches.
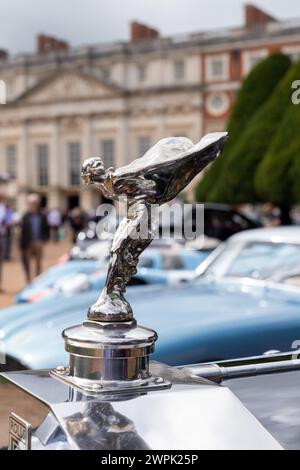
(106, 356)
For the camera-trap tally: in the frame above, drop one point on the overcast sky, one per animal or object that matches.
(95, 21)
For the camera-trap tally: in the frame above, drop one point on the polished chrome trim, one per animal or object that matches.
(218, 374)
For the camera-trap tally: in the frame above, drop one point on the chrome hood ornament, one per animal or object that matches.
(110, 349)
(156, 178)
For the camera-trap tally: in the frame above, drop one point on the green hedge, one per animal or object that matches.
(237, 183)
(238, 179)
(255, 91)
(277, 177)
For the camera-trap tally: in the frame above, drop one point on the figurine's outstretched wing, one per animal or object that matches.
(168, 167)
(170, 151)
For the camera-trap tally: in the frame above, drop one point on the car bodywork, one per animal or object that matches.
(209, 314)
(76, 276)
(212, 318)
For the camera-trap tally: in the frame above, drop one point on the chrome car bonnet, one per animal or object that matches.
(192, 414)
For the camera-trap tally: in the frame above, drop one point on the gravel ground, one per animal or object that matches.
(13, 276)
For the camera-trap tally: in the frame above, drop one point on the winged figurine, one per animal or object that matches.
(154, 179)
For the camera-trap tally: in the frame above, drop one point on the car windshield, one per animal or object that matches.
(257, 260)
(145, 262)
(168, 262)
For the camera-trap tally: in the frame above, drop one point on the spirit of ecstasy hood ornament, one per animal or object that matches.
(110, 352)
(156, 178)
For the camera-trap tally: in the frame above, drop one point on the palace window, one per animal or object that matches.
(217, 67)
(295, 56)
(252, 58)
(11, 161)
(107, 152)
(106, 74)
(42, 164)
(74, 163)
(142, 72)
(253, 61)
(293, 52)
(179, 69)
(144, 144)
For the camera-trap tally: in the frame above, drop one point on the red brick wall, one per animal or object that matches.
(235, 74)
(235, 64)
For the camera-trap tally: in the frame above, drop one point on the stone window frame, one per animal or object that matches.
(210, 75)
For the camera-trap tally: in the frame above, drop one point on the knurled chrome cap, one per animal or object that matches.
(92, 338)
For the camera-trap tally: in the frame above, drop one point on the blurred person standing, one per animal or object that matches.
(10, 223)
(34, 233)
(270, 215)
(2, 235)
(54, 220)
(78, 221)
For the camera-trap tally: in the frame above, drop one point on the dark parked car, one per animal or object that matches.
(222, 221)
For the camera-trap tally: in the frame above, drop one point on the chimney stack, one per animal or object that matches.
(47, 44)
(3, 55)
(142, 32)
(254, 17)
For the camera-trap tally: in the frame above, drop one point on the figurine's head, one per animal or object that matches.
(93, 170)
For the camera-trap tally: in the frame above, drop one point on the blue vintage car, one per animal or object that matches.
(244, 301)
(76, 276)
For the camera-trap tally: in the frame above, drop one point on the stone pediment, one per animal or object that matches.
(68, 85)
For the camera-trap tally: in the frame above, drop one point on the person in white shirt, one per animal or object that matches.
(54, 220)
